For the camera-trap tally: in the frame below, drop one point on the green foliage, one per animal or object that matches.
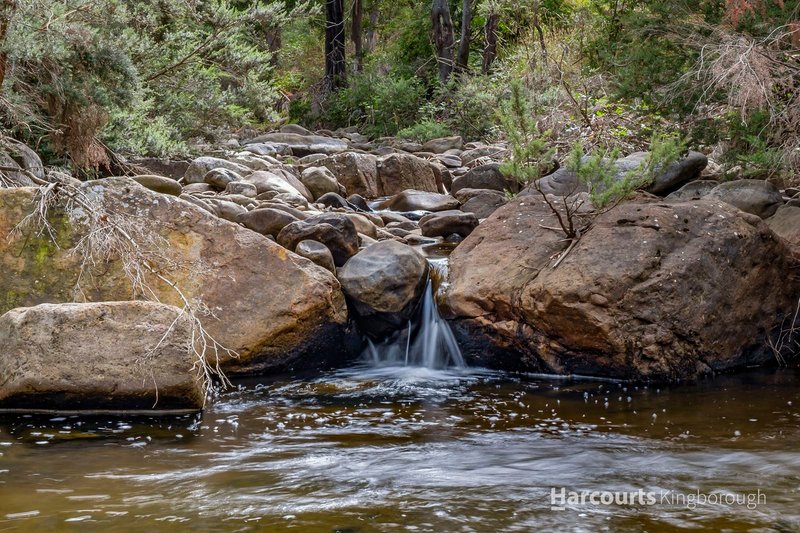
(379, 105)
(607, 186)
(424, 131)
(531, 150)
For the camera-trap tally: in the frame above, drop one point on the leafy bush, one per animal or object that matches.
(424, 131)
(378, 105)
(531, 150)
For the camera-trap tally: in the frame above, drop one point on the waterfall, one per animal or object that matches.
(427, 342)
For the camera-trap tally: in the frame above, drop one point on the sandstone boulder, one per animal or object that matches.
(654, 290)
(272, 307)
(109, 356)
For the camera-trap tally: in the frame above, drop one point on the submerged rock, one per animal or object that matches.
(653, 291)
(117, 356)
(271, 306)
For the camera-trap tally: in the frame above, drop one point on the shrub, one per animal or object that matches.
(424, 131)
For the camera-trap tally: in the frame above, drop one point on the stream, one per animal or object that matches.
(415, 449)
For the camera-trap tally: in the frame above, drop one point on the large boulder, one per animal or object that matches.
(654, 290)
(412, 200)
(274, 308)
(198, 168)
(384, 283)
(757, 197)
(316, 252)
(118, 356)
(302, 144)
(334, 230)
(694, 190)
(357, 173)
(484, 177)
(398, 172)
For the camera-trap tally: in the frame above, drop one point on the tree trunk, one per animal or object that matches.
(335, 67)
(462, 62)
(7, 10)
(372, 32)
(355, 34)
(443, 38)
(490, 46)
(538, 27)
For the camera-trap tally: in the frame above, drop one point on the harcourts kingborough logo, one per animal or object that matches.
(561, 499)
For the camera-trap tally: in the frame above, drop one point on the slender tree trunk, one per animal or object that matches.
(538, 27)
(443, 37)
(462, 62)
(355, 33)
(490, 46)
(372, 32)
(335, 66)
(7, 10)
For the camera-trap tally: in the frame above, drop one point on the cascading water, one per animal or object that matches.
(427, 342)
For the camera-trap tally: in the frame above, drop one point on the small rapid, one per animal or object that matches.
(427, 341)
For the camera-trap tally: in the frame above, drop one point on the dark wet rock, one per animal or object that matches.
(411, 200)
(760, 198)
(484, 177)
(359, 202)
(334, 230)
(703, 262)
(446, 223)
(384, 283)
(334, 200)
(393, 217)
(317, 253)
(159, 184)
(118, 356)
